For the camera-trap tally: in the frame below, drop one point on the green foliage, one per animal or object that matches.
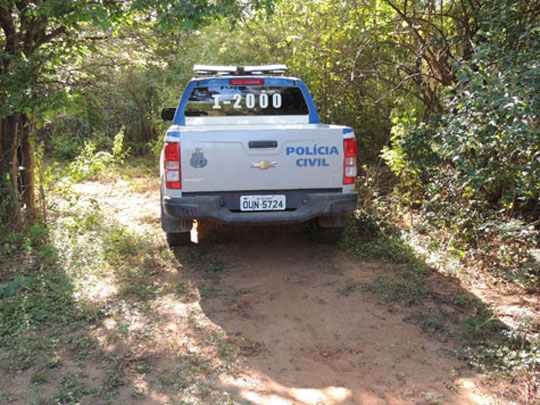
(410, 155)
(474, 169)
(7, 196)
(433, 399)
(484, 148)
(431, 321)
(367, 236)
(13, 287)
(508, 357)
(479, 322)
(156, 147)
(74, 21)
(33, 296)
(132, 270)
(47, 59)
(90, 162)
(70, 389)
(42, 298)
(26, 240)
(461, 110)
(407, 286)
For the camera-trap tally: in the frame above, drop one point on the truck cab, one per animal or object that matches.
(246, 145)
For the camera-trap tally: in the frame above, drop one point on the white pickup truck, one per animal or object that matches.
(246, 146)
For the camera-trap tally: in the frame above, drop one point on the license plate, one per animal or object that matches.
(262, 203)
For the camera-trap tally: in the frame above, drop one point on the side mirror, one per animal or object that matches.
(167, 114)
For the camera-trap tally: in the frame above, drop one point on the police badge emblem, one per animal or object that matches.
(198, 159)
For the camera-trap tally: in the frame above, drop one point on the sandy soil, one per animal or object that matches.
(315, 345)
(281, 300)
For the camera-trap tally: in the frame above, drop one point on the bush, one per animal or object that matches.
(89, 163)
(485, 147)
(474, 170)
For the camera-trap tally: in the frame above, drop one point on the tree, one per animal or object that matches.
(39, 39)
(483, 148)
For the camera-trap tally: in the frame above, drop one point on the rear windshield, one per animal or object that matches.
(231, 100)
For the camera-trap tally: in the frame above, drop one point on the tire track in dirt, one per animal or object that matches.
(313, 343)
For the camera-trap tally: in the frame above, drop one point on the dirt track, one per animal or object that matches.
(300, 327)
(306, 337)
(314, 343)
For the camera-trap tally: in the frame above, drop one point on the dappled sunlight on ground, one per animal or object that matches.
(130, 209)
(280, 324)
(259, 389)
(318, 341)
(249, 315)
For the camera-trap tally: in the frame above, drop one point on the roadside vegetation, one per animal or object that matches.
(79, 298)
(444, 100)
(508, 350)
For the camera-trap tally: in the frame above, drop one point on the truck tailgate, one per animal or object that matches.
(238, 159)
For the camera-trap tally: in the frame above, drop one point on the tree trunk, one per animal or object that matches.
(27, 174)
(9, 191)
(17, 170)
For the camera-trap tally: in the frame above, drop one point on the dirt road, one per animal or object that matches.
(314, 339)
(249, 315)
(306, 333)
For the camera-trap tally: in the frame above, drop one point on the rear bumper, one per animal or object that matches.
(215, 207)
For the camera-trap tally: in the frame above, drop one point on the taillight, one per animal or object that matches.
(171, 162)
(350, 151)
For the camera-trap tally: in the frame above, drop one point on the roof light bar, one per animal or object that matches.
(200, 70)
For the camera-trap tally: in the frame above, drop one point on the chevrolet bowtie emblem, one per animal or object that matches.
(264, 165)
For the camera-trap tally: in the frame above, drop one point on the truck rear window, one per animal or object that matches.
(231, 100)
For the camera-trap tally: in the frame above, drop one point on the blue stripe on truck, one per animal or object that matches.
(173, 134)
(179, 117)
(313, 113)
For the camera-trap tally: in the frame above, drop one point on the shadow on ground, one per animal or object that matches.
(310, 332)
(249, 315)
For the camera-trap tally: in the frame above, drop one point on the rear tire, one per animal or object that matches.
(323, 234)
(178, 238)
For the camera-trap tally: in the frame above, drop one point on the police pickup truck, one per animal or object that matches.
(246, 146)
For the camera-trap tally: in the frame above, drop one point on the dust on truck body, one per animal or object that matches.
(246, 145)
